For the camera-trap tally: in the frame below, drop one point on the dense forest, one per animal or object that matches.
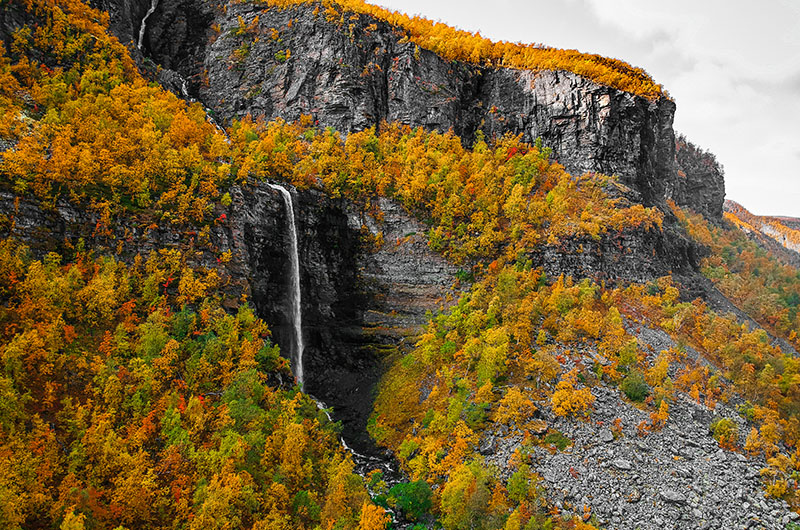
(133, 397)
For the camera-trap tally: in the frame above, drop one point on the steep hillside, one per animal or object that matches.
(495, 262)
(779, 234)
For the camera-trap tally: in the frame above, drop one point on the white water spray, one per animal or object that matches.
(219, 128)
(297, 313)
(153, 5)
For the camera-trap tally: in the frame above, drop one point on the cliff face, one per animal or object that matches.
(359, 302)
(354, 74)
(351, 74)
(700, 181)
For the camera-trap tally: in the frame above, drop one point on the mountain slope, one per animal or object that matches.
(526, 329)
(778, 234)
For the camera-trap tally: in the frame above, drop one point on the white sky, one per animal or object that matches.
(732, 67)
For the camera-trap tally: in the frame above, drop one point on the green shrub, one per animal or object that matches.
(635, 387)
(465, 276)
(725, 432)
(413, 499)
(475, 415)
(558, 439)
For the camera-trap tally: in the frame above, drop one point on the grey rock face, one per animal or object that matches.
(353, 74)
(361, 302)
(700, 182)
(350, 74)
(636, 255)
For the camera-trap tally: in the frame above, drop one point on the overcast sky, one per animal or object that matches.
(732, 67)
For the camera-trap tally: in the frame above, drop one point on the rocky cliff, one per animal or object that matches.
(700, 182)
(362, 302)
(243, 58)
(355, 72)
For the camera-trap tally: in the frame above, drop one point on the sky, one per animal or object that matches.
(732, 67)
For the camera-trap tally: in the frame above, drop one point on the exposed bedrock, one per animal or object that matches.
(360, 303)
(351, 74)
(355, 74)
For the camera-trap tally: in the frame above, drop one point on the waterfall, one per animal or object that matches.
(153, 5)
(297, 312)
(210, 119)
(363, 463)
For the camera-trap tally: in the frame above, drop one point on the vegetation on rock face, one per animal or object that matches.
(131, 398)
(506, 198)
(458, 45)
(768, 291)
(85, 125)
(516, 331)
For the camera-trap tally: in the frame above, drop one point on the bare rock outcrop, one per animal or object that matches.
(353, 73)
(700, 181)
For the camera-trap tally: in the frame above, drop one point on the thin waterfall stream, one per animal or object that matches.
(297, 311)
(143, 27)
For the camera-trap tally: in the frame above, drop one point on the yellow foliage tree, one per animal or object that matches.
(568, 400)
(373, 518)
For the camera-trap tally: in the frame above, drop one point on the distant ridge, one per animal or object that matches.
(783, 230)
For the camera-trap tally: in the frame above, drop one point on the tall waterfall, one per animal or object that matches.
(297, 312)
(153, 5)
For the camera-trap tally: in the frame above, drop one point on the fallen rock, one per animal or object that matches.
(487, 447)
(606, 436)
(622, 464)
(672, 497)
